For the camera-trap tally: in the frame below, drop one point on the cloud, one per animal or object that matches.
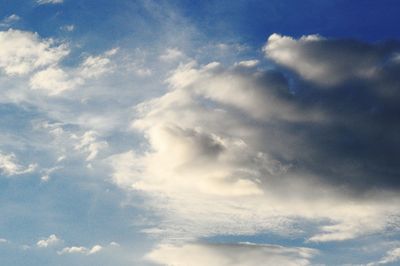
(248, 63)
(3, 240)
(68, 28)
(45, 2)
(48, 171)
(80, 250)
(95, 66)
(52, 240)
(390, 257)
(88, 143)
(8, 21)
(54, 81)
(223, 140)
(244, 254)
(9, 165)
(171, 54)
(328, 62)
(23, 52)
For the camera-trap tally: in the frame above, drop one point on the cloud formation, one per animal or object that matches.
(48, 242)
(22, 52)
(243, 254)
(80, 250)
(9, 20)
(242, 149)
(391, 256)
(9, 165)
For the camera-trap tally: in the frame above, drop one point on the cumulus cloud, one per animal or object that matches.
(52, 240)
(80, 250)
(22, 52)
(241, 150)
(10, 166)
(243, 254)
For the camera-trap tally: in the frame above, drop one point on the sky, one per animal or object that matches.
(193, 133)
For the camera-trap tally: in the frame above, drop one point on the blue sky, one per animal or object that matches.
(199, 133)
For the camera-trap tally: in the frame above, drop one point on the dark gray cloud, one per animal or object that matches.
(357, 87)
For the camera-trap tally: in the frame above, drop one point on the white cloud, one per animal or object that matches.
(54, 81)
(248, 63)
(172, 54)
(95, 249)
(22, 52)
(3, 240)
(95, 66)
(48, 171)
(80, 250)
(9, 165)
(44, 2)
(88, 143)
(52, 240)
(244, 254)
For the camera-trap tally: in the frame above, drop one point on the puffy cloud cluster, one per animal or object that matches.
(241, 149)
(23, 52)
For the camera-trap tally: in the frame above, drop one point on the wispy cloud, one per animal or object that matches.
(46, 2)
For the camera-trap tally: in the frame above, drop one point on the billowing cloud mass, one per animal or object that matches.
(243, 254)
(242, 149)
